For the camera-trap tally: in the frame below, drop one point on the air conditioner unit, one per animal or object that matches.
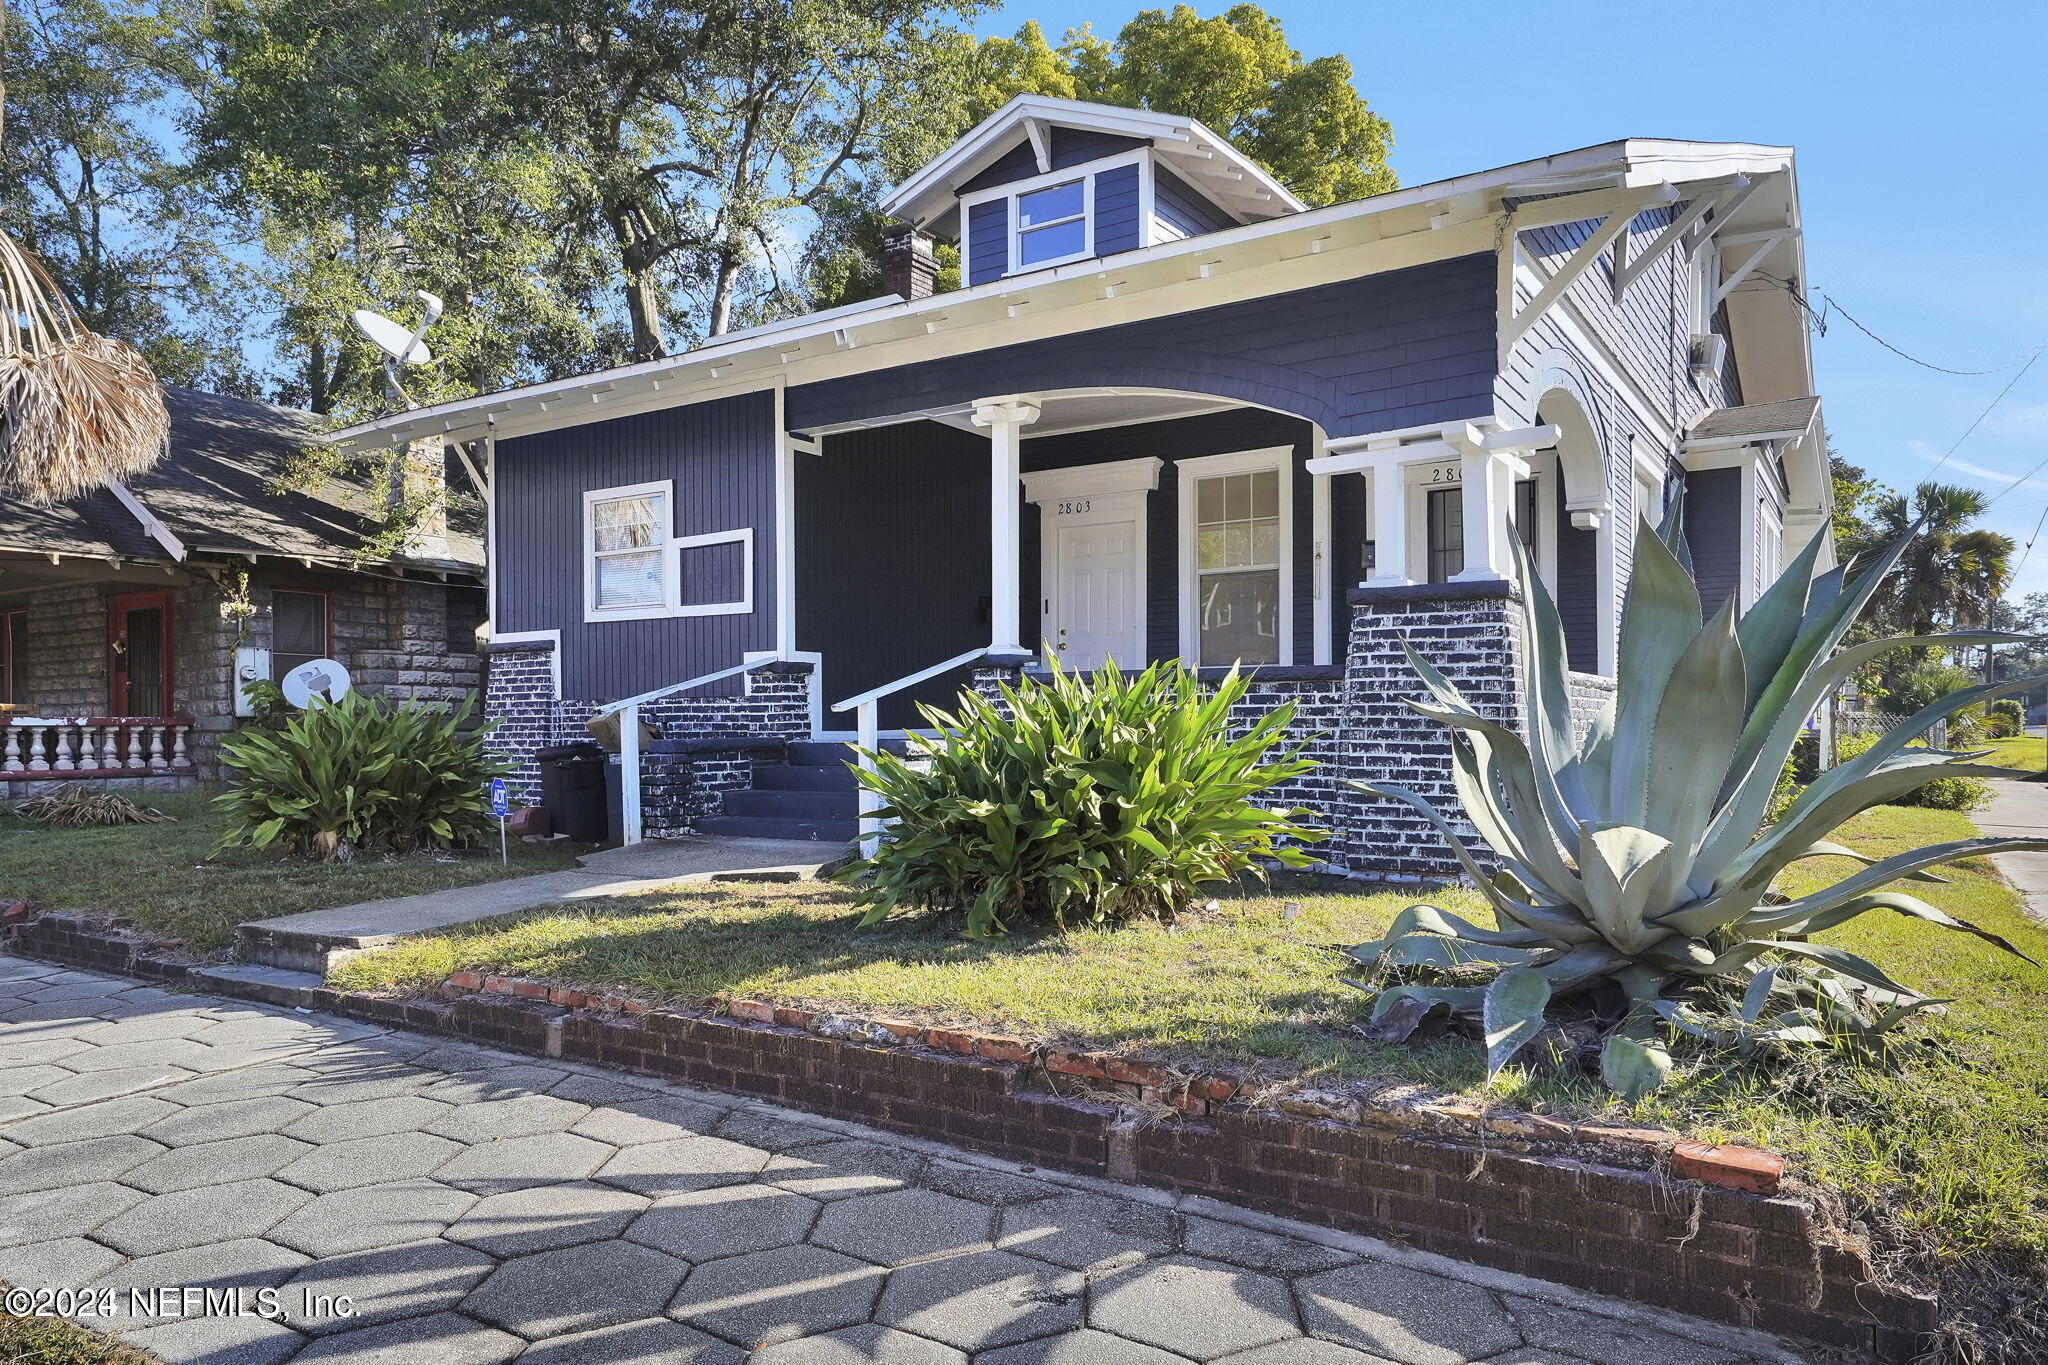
(1709, 349)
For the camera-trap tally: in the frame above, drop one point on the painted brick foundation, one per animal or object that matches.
(675, 788)
(1698, 1229)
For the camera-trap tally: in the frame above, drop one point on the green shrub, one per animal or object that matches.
(1097, 798)
(359, 773)
(1943, 793)
(2005, 718)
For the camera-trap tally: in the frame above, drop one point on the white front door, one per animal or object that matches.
(1094, 610)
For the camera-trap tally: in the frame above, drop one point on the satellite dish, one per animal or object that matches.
(325, 679)
(400, 345)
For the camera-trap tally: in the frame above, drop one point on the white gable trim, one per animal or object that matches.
(929, 193)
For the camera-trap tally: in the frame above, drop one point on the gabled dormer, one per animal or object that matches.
(1043, 182)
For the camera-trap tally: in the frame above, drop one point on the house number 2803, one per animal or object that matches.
(1074, 505)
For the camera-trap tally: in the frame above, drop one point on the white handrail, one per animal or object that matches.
(868, 732)
(629, 736)
(911, 680)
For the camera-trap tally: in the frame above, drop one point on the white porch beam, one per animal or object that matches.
(1005, 419)
(1364, 459)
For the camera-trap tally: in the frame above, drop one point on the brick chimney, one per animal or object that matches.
(908, 264)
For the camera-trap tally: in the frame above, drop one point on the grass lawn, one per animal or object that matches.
(1953, 1154)
(52, 1341)
(2024, 753)
(159, 875)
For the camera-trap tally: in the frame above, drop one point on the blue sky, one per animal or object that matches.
(1920, 131)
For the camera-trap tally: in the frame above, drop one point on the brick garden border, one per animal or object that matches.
(1634, 1213)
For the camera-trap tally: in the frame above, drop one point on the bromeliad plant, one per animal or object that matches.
(359, 773)
(1080, 798)
(1636, 866)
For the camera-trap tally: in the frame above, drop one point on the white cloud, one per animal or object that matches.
(2031, 420)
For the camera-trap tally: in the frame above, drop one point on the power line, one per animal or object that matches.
(1999, 398)
(1835, 304)
(2039, 522)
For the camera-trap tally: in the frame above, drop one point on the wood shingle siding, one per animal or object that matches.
(1181, 211)
(1395, 349)
(1070, 147)
(1116, 211)
(721, 455)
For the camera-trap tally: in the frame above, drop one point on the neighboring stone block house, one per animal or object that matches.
(130, 617)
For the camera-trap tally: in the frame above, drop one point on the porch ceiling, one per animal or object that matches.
(1059, 413)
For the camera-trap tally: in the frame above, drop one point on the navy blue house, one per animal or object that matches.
(1173, 413)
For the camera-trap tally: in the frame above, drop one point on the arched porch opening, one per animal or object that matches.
(1581, 569)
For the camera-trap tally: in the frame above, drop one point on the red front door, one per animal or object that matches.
(139, 654)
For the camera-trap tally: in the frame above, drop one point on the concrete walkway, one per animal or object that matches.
(2020, 808)
(613, 872)
(410, 1201)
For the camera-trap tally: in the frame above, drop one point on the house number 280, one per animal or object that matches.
(1075, 505)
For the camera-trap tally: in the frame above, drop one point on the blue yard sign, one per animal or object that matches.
(500, 807)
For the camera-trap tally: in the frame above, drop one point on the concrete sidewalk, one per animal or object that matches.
(410, 1201)
(304, 942)
(2020, 809)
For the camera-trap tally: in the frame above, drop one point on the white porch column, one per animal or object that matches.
(1389, 521)
(1005, 419)
(1489, 496)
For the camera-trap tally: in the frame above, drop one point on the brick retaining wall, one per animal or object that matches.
(1685, 1226)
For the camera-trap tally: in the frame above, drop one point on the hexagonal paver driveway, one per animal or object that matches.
(473, 1208)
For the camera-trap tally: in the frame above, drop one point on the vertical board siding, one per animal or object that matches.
(988, 241)
(1578, 589)
(892, 561)
(1713, 532)
(1349, 531)
(1182, 211)
(1218, 433)
(1399, 348)
(721, 455)
(1116, 211)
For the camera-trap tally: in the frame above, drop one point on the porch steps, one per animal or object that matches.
(813, 796)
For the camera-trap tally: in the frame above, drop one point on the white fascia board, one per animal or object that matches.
(990, 138)
(722, 360)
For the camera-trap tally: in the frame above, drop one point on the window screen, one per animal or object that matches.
(298, 630)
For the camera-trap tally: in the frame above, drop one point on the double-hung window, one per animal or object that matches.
(1052, 224)
(626, 543)
(1238, 578)
(1446, 526)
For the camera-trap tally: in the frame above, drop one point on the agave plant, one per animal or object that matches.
(1636, 865)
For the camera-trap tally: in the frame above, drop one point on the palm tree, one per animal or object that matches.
(1953, 572)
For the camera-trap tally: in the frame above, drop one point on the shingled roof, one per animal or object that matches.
(215, 492)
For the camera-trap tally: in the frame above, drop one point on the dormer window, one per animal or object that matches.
(1052, 225)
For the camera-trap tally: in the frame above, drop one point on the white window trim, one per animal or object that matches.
(744, 538)
(1210, 466)
(671, 547)
(1418, 480)
(1117, 491)
(593, 496)
(1018, 232)
(1010, 191)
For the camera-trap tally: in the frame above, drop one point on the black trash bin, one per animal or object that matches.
(572, 788)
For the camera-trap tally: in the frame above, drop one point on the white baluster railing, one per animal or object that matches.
(628, 712)
(127, 746)
(868, 735)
